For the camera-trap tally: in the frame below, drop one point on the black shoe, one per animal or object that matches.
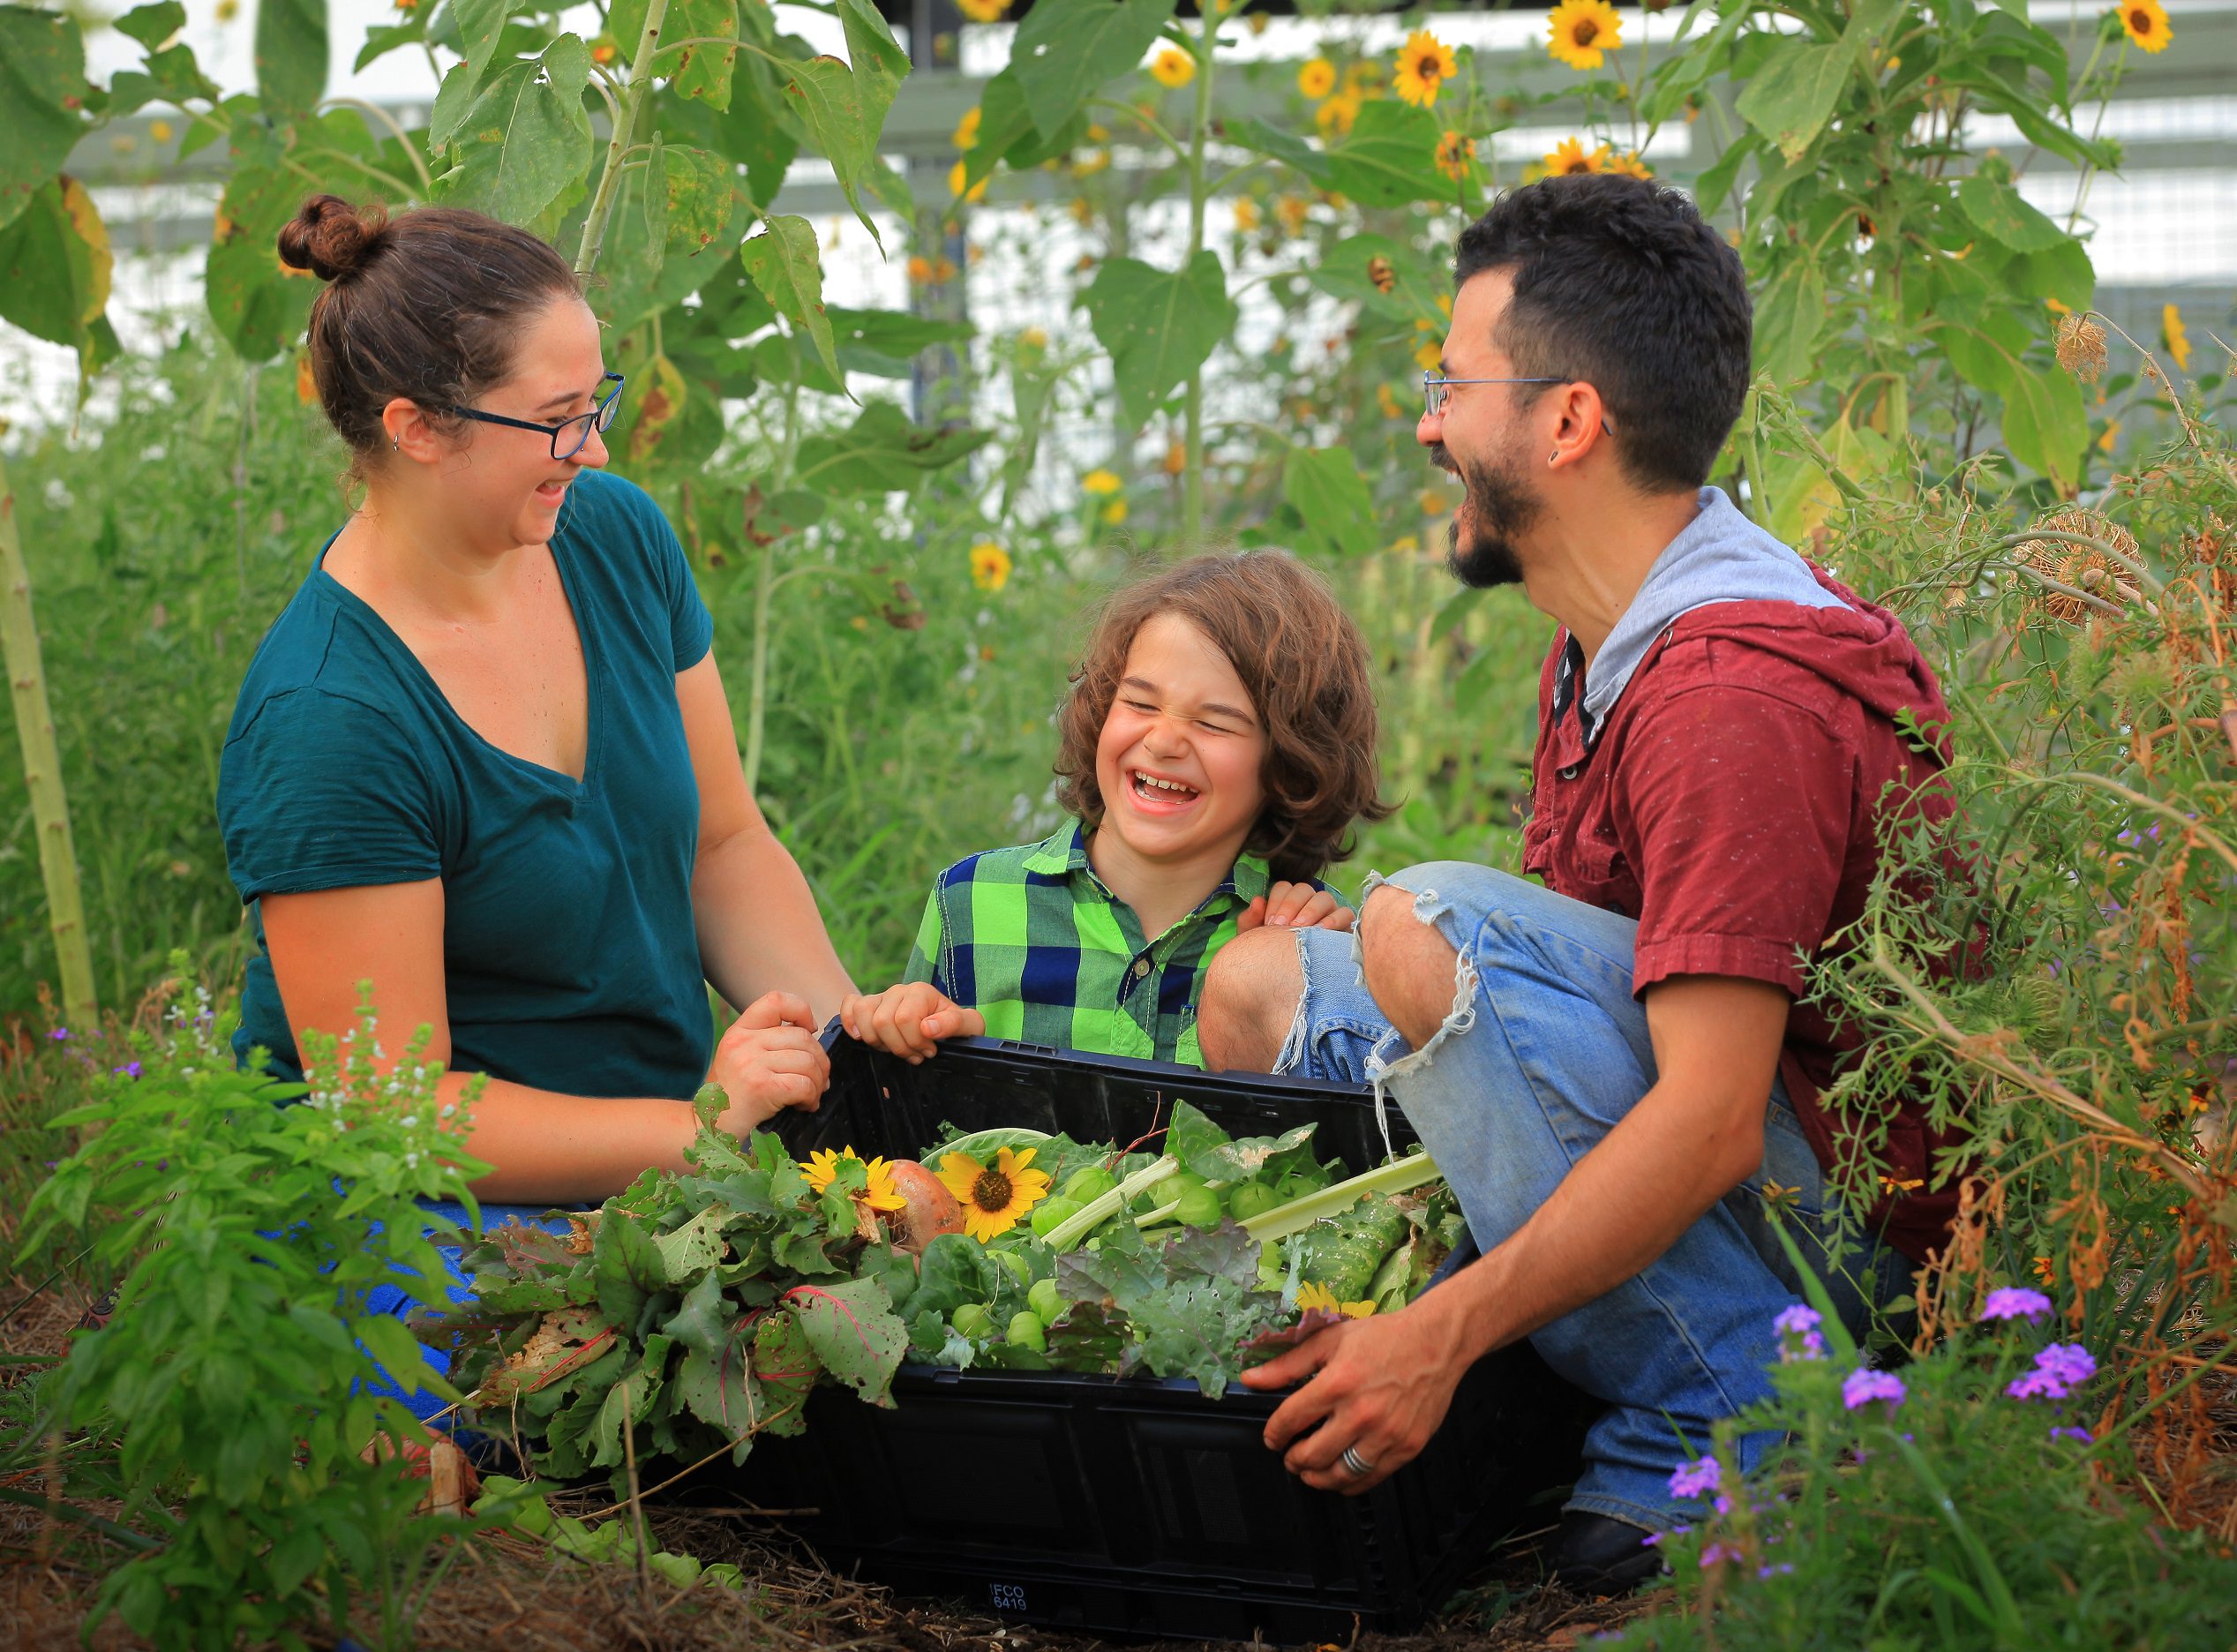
(1596, 1555)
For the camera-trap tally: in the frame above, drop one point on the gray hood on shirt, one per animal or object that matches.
(1720, 557)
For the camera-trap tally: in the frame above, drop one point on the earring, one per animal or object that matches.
(1556, 457)
(396, 443)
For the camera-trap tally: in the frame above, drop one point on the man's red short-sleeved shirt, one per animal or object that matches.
(1733, 801)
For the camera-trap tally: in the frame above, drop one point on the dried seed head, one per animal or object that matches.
(2082, 567)
(2082, 347)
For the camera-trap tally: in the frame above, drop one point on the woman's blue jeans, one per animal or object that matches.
(1544, 1051)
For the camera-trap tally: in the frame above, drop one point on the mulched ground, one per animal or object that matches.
(507, 1595)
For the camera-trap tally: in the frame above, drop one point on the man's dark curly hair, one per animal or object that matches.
(1309, 676)
(1620, 283)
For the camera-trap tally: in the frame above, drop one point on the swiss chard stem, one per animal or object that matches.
(633, 101)
(42, 771)
(1096, 1211)
(1299, 1214)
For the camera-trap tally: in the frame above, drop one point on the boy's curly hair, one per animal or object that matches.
(1306, 668)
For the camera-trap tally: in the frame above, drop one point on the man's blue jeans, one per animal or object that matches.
(1544, 1051)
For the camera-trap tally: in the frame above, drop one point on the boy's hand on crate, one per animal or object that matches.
(1296, 906)
(769, 1059)
(908, 1020)
(1379, 1387)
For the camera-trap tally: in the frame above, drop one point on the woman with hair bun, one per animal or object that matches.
(484, 759)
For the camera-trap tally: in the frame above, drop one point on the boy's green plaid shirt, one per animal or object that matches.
(1032, 939)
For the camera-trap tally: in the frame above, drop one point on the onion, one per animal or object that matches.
(931, 1210)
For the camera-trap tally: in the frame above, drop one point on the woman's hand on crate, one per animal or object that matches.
(908, 1020)
(769, 1060)
(1379, 1386)
(1296, 906)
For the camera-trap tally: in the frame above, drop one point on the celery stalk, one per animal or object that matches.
(1300, 1214)
(1157, 1215)
(1077, 1226)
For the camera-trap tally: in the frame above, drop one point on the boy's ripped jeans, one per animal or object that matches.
(1543, 1051)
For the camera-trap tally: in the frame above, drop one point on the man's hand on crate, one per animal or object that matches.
(1379, 1387)
(908, 1020)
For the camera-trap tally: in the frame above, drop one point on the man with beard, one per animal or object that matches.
(1614, 1069)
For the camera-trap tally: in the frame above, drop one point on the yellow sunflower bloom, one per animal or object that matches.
(1249, 215)
(1101, 481)
(956, 175)
(2112, 437)
(1454, 152)
(1173, 67)
(983, 10)
(1386, 399)
(989, 565)
(1312, 1296)
(967, 129)
(1114, 513)
(227, 10)
(1424, 64)
(1336, 117)
(877, 1191)
(1581, 33)
(1429, 355)
(1293, 211)
(2145, 22)
(1569, 158)
(1630, 165)
(1318, 78)
(994, 1197)
(2177, 336)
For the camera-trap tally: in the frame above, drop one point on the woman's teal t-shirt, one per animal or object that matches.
(570, 957)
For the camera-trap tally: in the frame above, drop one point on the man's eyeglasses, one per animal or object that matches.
(1436, 392)
(569, 435)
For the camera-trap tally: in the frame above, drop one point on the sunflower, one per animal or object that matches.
(1293, 211)
(1317, 79)
(1336, 117)
(989, 565)
(1630, 165)
(1173, 67)
(1114, 514)
(956, 175)
(877, 1178)
(993, 1196)
(1424, 63)
(2146, 23)
(1581, 33)
(967, 129)
(1101, 481)
(1569, 158)
(1454, 152)
(2177, 336)
(1312, 1296)
(983, 10)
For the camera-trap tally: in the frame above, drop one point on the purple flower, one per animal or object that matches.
(59, 1033)
(1724, 1505)
(1862, 1386)
(1695, 1479)
(1651, 1540)
(1798, 1336)
(2058, 1368)
(1717, 1554)
(2015, 1303)
(2081, 1434)
(130, 1069)
(1780, 1570)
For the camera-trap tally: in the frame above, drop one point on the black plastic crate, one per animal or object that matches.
(1139, 1507)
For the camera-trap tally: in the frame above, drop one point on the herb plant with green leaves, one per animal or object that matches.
(232, 1378)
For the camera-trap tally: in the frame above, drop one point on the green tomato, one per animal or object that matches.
(1050, 1212)
(972, 1320)
(1246, 1199)
(1045, 1300)
(1090, 1183)
(1299, 1184)
(1025, 1330)
(1161, 1194)
(1200, 1207)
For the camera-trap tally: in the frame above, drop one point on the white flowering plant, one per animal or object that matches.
(247, 1222)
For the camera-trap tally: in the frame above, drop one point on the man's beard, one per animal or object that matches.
(1499, 506)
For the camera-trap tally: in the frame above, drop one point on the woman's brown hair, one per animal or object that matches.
(1308, 673)
(428, 306)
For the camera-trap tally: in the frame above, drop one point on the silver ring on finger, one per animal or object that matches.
(1355, 1464)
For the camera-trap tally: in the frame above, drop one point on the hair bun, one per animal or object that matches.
(331, 238)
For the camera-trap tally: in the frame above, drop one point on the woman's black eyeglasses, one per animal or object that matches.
(569, 435)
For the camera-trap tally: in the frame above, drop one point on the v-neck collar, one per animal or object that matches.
(385, 634)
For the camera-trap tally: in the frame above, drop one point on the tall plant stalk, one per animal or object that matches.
(1199, 127)
(633, 100)
(765, 578)
(42, 770)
